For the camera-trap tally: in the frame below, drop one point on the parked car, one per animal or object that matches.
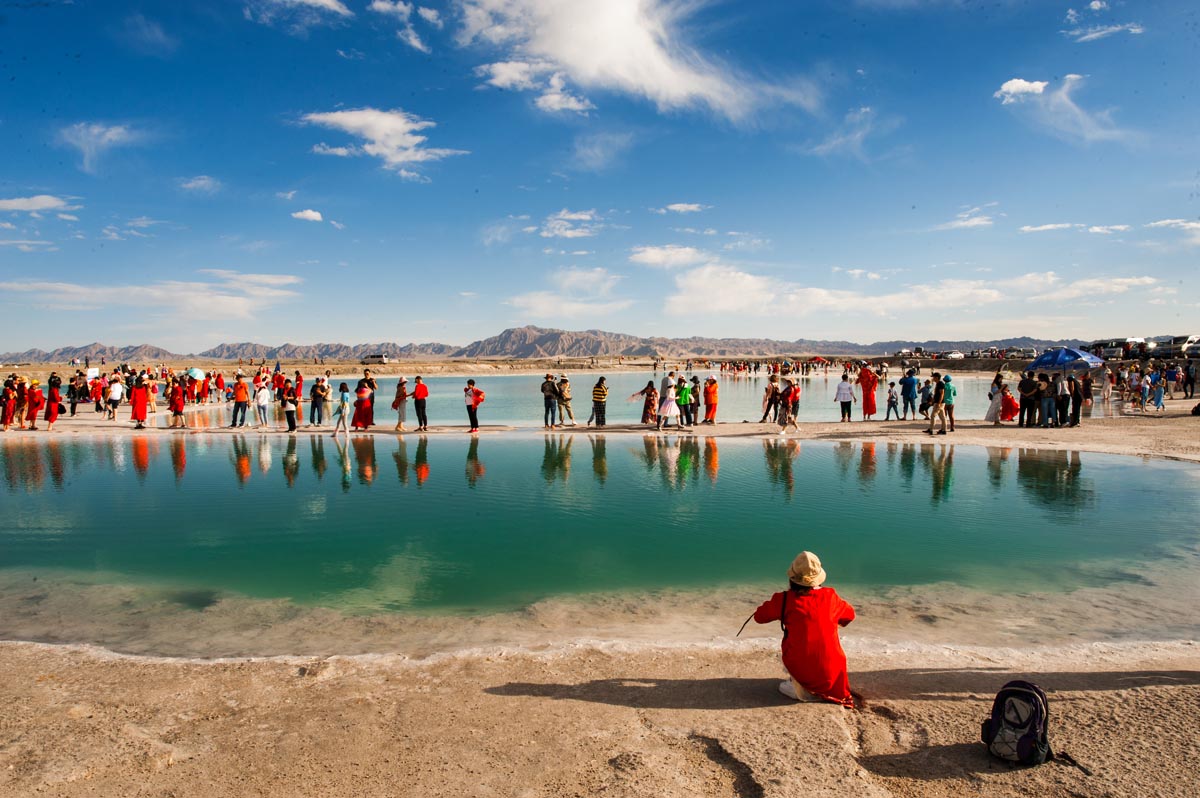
(375, 360)
(954, 355)
(903, 353)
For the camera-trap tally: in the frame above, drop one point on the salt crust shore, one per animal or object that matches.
(611, 717)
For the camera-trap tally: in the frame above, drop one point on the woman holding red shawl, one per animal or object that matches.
(868, 381)
(34, 402)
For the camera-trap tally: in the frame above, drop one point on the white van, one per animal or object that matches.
(375, 360)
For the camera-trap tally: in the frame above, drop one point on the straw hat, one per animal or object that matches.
(806, 570)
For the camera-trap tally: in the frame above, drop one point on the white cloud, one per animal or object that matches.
(1097, 32)
(595, 152)
(1094, 286)
(578, 293)
(400, 10)
(571, 224)
(1072, 16)
(1097, 5)
(1042, 228)
(859, 274)
(432, 16)
(1059, 114)
(632, 46)
(11, 226)
(147, 37)
(1017, 89)
(1108, 229)
(681, 207)
(408, 34)
(969, 218)
(200, 184)
(1190, 228)
(337, 225)
(93, 139)
(229, 295)
(745, 242)
(27, 245)
(286, 195)
(391, 136)
(297, 15)
(851, 136)
(707, 231)
(556, 98)
(519, 75)
(308, 215)
(67, 217)
(35, 204)
(671, 256)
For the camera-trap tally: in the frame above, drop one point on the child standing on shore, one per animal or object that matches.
(893, 405)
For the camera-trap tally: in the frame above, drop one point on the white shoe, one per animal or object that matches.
(788, 689)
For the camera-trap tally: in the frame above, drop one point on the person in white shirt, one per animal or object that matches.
(262, 401)
(116, 392)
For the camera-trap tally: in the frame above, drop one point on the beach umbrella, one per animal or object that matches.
(1066, 358)
(197, 373)
(817, 359)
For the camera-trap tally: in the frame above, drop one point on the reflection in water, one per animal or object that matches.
(421, 465)
(178, 456)
(141, 456)
(997, 458)
(291, 462)
(316, 446)
(475, 467)
(781, 456)
(938, 461)
(241, 459)
(556, 457)
(1053, 478)
(343, 458)
(599, 458)
(866, 463)
(712, 462)
(364, 455)
(843, 458)
(400, 456)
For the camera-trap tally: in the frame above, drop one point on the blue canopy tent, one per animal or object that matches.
(1066, 358)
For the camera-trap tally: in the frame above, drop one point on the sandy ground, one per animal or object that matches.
(610, 718)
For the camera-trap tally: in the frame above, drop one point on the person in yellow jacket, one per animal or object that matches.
(710, 400)
(599, 402)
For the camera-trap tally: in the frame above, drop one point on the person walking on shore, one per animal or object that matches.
(564, 401)
(771, 399)
(868, 381)
(600, 402)
(789, 396)
(34, 402)
(341, 411)
(53, 401)
(549, 401)
(400, 403)
(949, 394)
(116, 392)
(420, 395)
(893, 403)
(649, 396)
(937, 405)
(710, 399)
(667, 408)
(290, 403)
(175, 400)
(473, 398)
(8, 404)
(683, 397)
(908, 394)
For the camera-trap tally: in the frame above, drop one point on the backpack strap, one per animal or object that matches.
(783, 613)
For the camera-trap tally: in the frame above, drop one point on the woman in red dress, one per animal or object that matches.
(1010, 408)
(34, 402)
(8, 404)
(868, 381)
(364, 413)
(52, 403)
(139, 398)
(175, 404)
(810, 616)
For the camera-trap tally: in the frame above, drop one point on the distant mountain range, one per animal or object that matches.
(521, 342)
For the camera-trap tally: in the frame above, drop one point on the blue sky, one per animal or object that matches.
(363, 170)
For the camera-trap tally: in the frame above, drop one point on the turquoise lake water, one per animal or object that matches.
(464, 525)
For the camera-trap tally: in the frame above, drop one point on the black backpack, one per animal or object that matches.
(1016, 730)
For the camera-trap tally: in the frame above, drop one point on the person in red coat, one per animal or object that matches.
(869, 381)
(175, 403)
(34, 402)
(52, 403)
(139, 399)
(810, 616)
(8, 404)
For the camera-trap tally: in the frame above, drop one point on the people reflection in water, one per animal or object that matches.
(866, 463)
(141, 456)
(1053, 478)
(475, 467)
(780, 456)
(316, 445)
(421, 461)
(997, 457)
(843, 458)
(599, 458)
(241, 459)
(178, 457)
(939, 462)
(556, 457)
(401, 458)
(712, 462)
(54, 458)
(688, 464)
(364, 456)
(291, 462)
(343, 458)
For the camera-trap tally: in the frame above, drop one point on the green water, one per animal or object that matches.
(456, 524)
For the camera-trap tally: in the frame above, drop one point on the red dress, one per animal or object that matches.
(52, 406)
(34, 401)
(138, 398)
(364, 410)
(175, 402)
(8, 406)
(812, 652)
(1009, 407)
(868, 381)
